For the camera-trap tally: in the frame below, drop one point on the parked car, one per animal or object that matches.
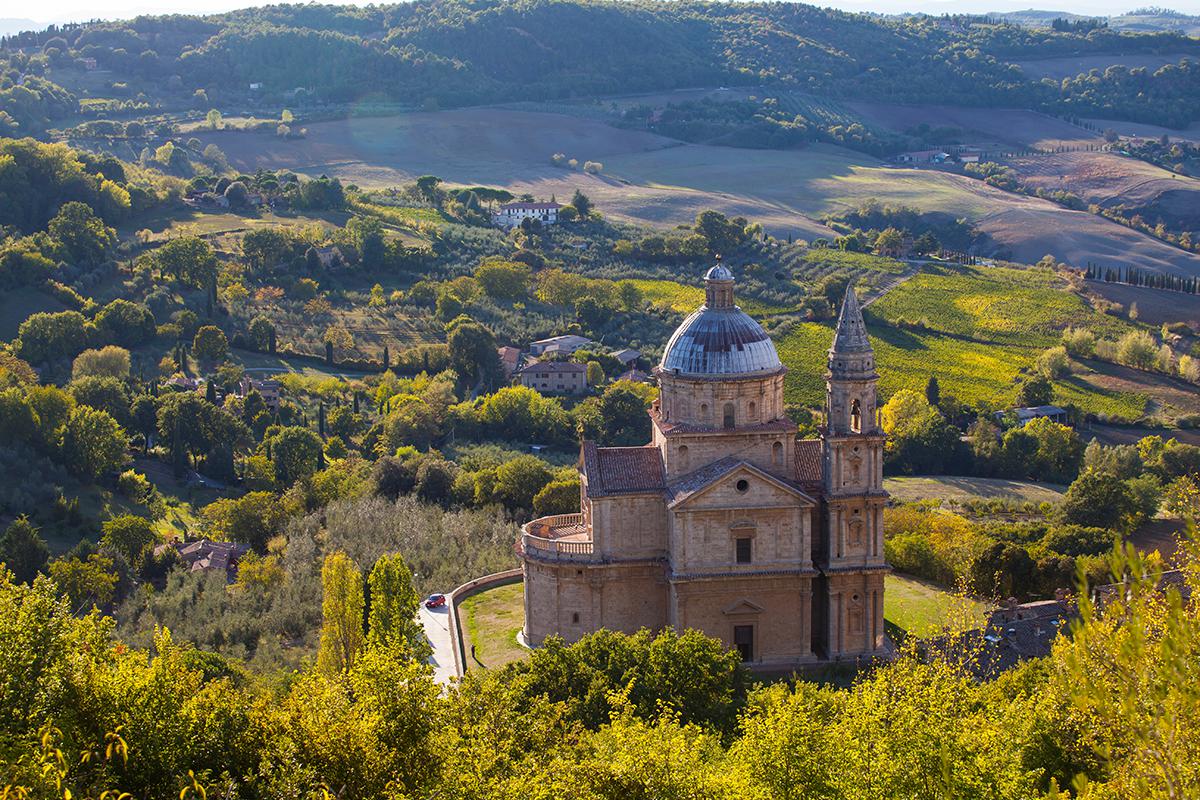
(435, 601)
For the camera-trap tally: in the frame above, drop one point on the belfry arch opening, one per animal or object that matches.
(856, 416)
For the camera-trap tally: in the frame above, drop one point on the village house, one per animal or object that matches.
(510, 215)
(1026, 413)
(203, 555)
(628, 356)
(269, 389)
(726, 522)
(566, 344)
(510, 360)
(554, 377)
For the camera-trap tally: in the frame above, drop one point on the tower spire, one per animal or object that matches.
(851, 334)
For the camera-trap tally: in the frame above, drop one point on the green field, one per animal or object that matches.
(685, 298)
(491, 621)
(961, 490)
(922, 609)
(995, 304)
(976, 329)
(974, 372)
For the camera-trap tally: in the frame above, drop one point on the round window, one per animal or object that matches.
(742, 485)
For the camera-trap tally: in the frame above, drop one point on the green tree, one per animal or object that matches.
(210, 344)
(559, 496)
(391, 621)
(107, 362)
(582, 204)
(103, 394)
(44, 337)
(188, 259)
(93, 443)
(23, 551)
(84, 236)
(89, 581)
(933, 392)
(505, 280)
(473, 352)
(296, 453)
(1098, 500)
(253, 518)
(1035, 390)
(518, 481)
(342, 608)
(262, 333)
(129, 534)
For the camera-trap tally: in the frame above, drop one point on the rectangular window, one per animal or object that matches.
(743, 549)
(743, 640)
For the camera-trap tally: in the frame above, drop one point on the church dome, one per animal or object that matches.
(720, 339)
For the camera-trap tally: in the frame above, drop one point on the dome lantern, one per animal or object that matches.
(719, 339)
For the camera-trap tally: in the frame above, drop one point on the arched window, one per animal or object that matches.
(753, 411)
(777, 454)
(684, 461)
(704, 412)
(729, 415)
(856, 416)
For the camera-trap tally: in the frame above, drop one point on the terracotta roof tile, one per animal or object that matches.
(809, 461)
(617, 470)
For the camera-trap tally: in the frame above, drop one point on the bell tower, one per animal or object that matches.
(850, 551)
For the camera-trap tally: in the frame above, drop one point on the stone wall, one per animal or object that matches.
(777, 608)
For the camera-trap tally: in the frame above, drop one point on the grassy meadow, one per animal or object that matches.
(491, 621)
(922, 609)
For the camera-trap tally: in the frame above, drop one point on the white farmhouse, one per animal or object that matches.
(510, 215)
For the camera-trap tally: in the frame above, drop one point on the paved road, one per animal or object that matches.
(437, 629)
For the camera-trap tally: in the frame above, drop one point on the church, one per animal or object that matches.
(726, 522)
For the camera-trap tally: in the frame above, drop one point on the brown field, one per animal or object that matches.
(1190, 133)
(1109, 180)
(1171, 397)
(651, 179)
(1114, 434)
(1070, 66)
(475, 145)
(1080, 238)
(1012, 127)
(1154, 307)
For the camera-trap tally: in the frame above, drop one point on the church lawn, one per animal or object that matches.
(921, 609)
(490, 621)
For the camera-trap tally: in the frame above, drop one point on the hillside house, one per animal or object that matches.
(510, 215)
(555, 377)
(628, 356)
(203, 555)
(510, 360)
(1026, 413)
(269, 389)
(566, 344)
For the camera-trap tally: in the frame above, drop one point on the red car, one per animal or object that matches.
(435, 601)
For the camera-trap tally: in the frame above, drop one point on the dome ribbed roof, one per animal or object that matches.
(719, 338)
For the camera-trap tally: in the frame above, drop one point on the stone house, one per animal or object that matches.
(726, 522)
(554, 377)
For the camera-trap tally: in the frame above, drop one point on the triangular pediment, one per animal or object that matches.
(691, 488)
(741, 608)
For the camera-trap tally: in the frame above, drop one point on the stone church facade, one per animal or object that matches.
(726, 522)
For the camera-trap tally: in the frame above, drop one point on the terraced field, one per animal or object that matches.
(992, 304)
(977, 329)
(686, 298)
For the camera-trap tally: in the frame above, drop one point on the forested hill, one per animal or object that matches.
(456, 52)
